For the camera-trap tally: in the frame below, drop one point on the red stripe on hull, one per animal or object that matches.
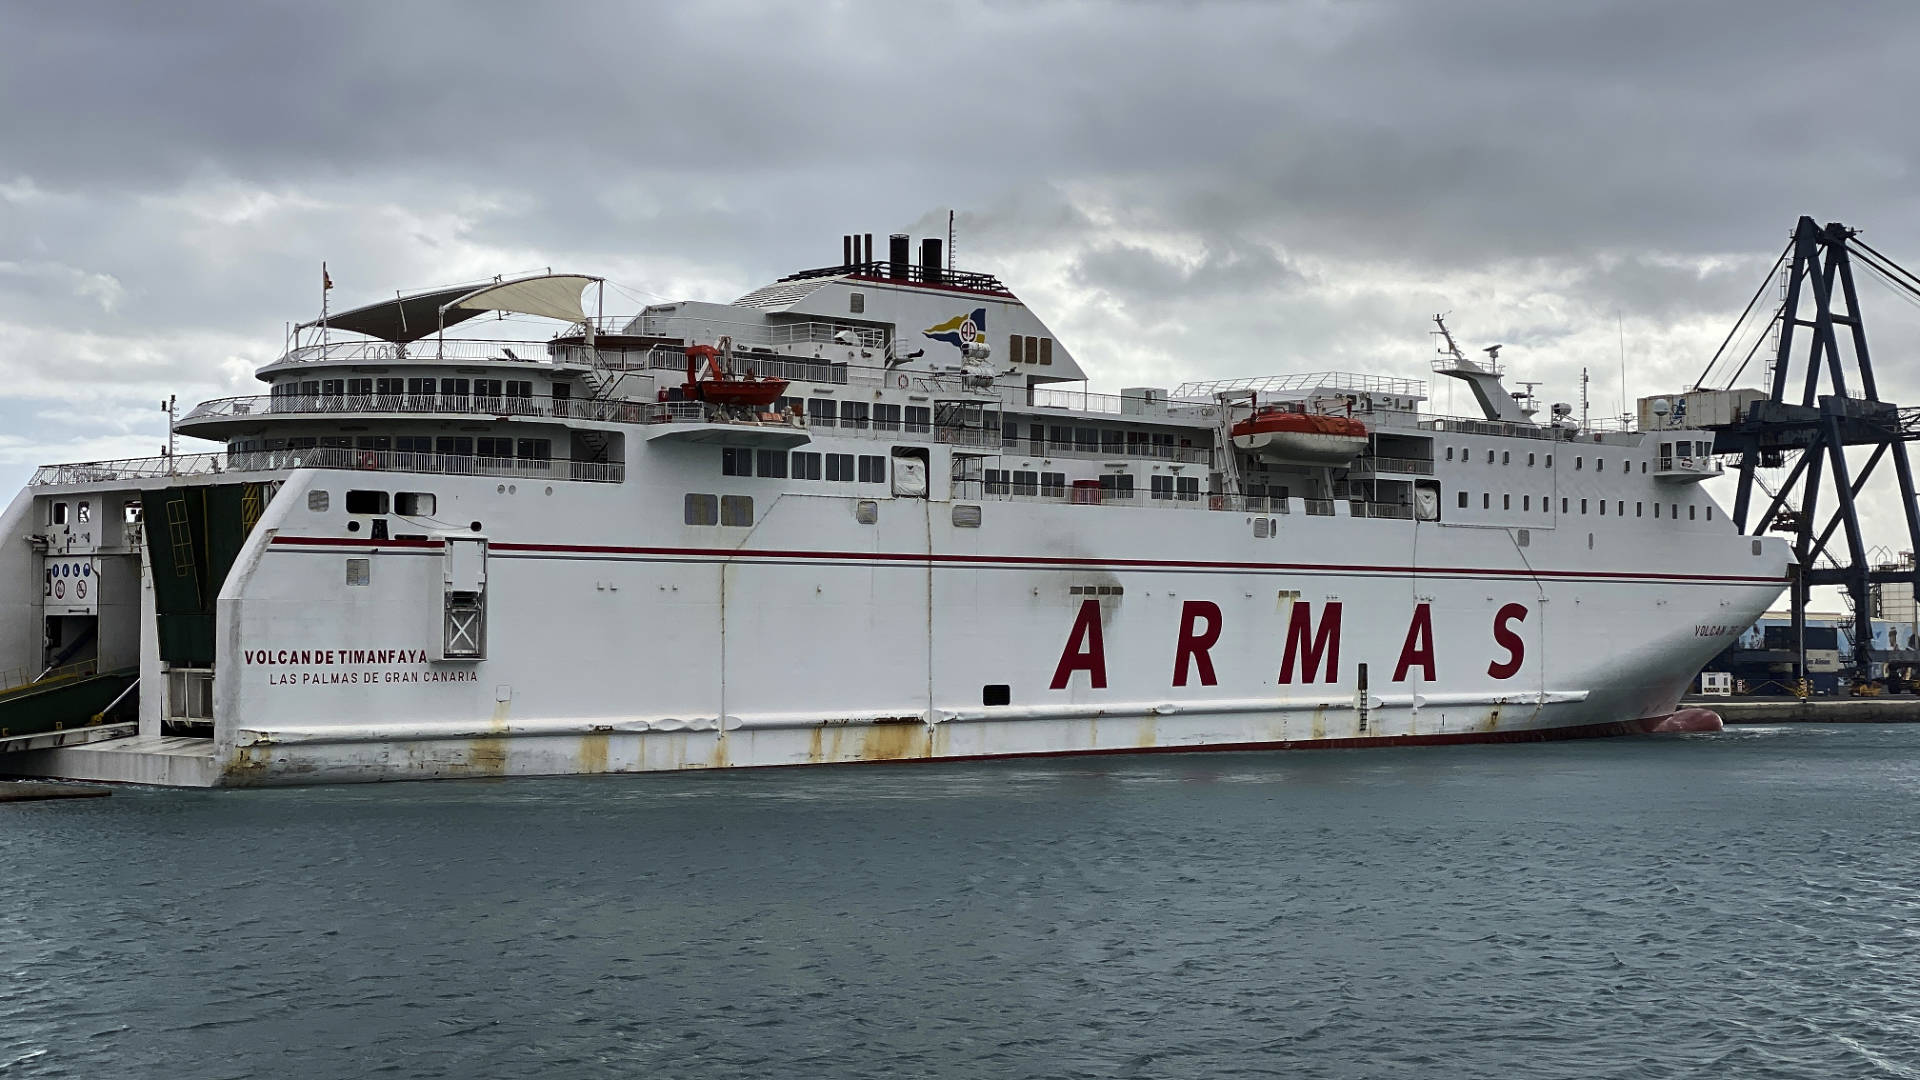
(1023, 560)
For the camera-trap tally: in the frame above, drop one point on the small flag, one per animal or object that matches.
(326, 279)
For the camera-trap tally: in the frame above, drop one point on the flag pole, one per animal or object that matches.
(326, 285)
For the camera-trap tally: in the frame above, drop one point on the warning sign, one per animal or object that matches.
(72, 586)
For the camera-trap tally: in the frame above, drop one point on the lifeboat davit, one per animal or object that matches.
(721, 386)
(1280, 433)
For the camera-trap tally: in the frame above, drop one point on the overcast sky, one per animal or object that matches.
(1181, 190)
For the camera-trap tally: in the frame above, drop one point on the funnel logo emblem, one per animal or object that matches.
(961, 330)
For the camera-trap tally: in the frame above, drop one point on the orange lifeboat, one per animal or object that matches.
(722, 386)
(1290, 433)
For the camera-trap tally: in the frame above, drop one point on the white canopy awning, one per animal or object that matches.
(410, 318)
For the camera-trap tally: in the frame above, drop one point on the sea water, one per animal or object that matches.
(1739, 905)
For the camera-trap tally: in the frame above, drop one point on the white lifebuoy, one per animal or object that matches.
(901, 382)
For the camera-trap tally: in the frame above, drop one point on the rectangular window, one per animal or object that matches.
(1506, 502)
(736, 461)
(1599, 464)
(58, 514)
(360, 387)
(886, 417)
(1529, 461)
(1583, 506)
(1486, 501)
(493, 448)
(1639, 509)
(1709, 513)
(1449, 453)
(422, 387)
(1563, 506)
(1620, 508)
(820, 412)
(1014, 353)
(1046, 351)
(1053, 485)
(1526, 502)
(806, 466)
(1690, 513)
(1116, 486)
(1188, 487)
(454, 387)
(1033, 350)
(374, 442)
(487, 388)
(1506, 457)
(333, 387)
(414, 503)
(1549, 461)
(359, 571)
(1579, 463)
(771, 463)
(999, 481)
(702, 510)
(1160, 486)
(853, 414)
(1489, 457)
(366, 502)
(1112, 441)
(386, 387)
(1656, 511)
(1086, 440)
(839, 468)
(519, 388)
(736, 510)
(919, 418)
(1463, 500)
(456, 445)
(873, 469)
(536, 449)
(1026, 483)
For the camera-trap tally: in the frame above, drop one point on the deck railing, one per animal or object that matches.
(326, 457)
(600, 409)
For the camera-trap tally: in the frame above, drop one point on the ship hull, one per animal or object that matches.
(816, 638)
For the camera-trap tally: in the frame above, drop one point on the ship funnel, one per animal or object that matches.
(930, 259)
(846, 249)
(899, 254)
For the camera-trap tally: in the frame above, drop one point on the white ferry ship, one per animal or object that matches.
(851, 516)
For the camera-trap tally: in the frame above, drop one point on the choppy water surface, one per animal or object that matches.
(1732, 906)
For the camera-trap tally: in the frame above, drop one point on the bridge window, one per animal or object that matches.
(736, 461)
